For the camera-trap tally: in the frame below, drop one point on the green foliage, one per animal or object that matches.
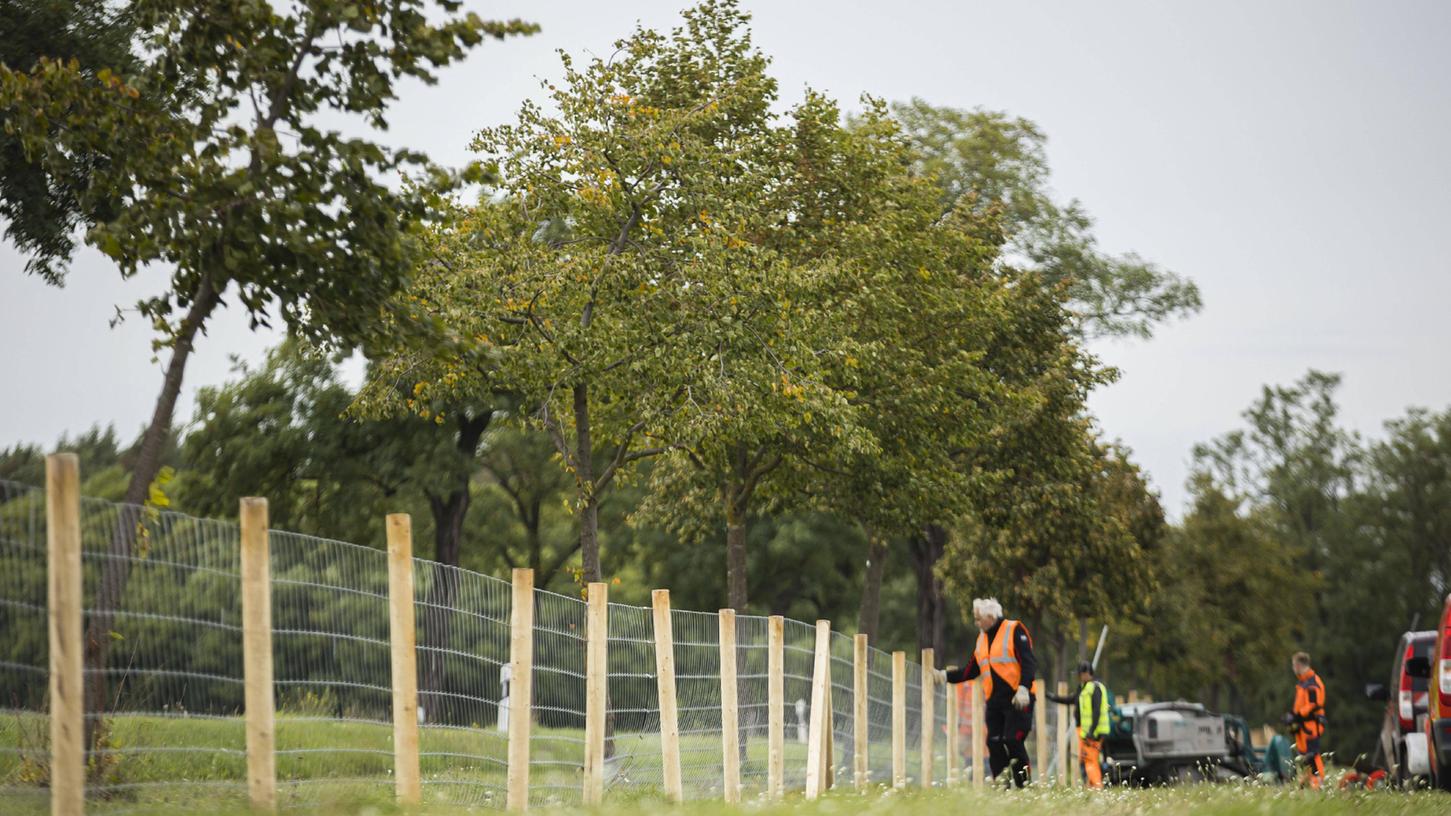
(280, 431)
(995, 164)
(42, 211)
(212, 158)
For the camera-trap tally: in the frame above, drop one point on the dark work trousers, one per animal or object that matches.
(1007, 729)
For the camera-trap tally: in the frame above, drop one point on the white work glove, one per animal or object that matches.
(1020, 698)
(939, 675)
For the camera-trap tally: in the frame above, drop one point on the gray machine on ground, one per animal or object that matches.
(1155, 743)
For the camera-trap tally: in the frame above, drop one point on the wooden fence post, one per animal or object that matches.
(1064, 760)
(665, 681)
(67, 669)
(979, 735)
(954, 744)
(521, 687)
(1075, 771)
(820, 722)
(929, 715)
(257, 656)
(1040, 746)
(775, 706)
(403, 640)
(899, 719)
(861, 713)
(596, 686)
(730, 724)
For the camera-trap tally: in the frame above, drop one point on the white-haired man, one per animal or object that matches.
(1004, 660)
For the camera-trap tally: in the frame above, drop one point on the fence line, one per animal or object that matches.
(346, 669)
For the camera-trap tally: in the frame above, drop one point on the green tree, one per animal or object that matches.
(42, 212)
(995, 163)
(1218, 626)
(210, 155)
(1310, 479)
(1409, 485)
(613, 282)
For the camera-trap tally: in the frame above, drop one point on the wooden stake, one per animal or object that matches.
(954, 744)
(775, 706)
(1040, 715)
(979, 735)
(899, 719)
(521, 687)
(861, 719)
(929, 715)
(1075, 770)
(816, 735)
(257, 656)
(596, 684)
(730, 734)
(67, 669)
(403, 638)
(665, 675)
(1064, 760)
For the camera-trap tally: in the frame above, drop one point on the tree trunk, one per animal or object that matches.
(737, 588)
(589, 519)
(117, 568)
(871, 606)
(449, 512)
(927, 549)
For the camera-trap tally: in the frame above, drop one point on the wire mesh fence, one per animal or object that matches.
(165, 677)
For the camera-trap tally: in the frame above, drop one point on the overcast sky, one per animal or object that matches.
(1290, 157)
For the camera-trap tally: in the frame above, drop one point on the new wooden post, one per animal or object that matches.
(665, 680)
(596, 684)
(257, 656)
(1040, 715)
(954, 745)
(929, 715)
(1064, 760)
(1075, 772)
(521, 687)
(861, 719)
(828, 734)
(67, 670)
(899, 719)
(775, 706)
(979, 735)
(403, 639)
(730, 734)
(816, 735)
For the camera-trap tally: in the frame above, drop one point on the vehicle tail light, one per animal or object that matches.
(1405, 701)
(1445, 682)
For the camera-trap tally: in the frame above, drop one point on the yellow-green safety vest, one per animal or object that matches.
(1085, 711)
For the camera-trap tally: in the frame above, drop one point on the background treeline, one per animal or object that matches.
(1299, 535)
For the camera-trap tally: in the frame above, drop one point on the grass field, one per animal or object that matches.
(185, 766)
(1204, 800)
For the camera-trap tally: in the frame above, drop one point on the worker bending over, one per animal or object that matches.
(1308, 717)
(1004, 661)
(1091, 717)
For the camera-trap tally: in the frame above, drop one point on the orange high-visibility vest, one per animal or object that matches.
(1000, 656)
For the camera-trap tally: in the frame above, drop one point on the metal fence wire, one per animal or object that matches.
(164, 702)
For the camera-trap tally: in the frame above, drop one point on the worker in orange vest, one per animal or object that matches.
(1004, 661)
(1308, 717)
